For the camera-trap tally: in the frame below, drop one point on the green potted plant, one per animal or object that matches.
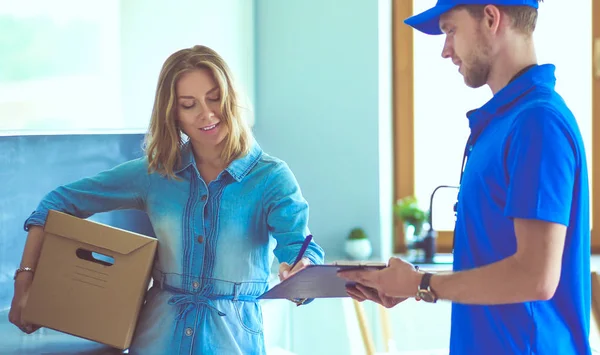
(408, 212)
(358, 246)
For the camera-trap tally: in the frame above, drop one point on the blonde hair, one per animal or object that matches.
(164, 140)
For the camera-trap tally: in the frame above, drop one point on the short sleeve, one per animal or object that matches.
(541, 163)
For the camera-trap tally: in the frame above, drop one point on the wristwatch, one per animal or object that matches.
(21, 269)
(425, 292)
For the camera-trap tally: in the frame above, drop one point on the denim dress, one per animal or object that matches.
(216, 245)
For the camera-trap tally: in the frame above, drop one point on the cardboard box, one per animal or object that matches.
(79, 290)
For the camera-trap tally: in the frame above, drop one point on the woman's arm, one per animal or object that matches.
(123, 187)
(23, 280)
(287, 216)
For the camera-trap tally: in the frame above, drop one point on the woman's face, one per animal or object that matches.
(199, 108)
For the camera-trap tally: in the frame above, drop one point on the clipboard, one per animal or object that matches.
(318, 281)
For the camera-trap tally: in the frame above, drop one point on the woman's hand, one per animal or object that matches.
(285, 269)
(22, 284)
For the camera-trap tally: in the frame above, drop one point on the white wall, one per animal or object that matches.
(323, 105)
(151, 30)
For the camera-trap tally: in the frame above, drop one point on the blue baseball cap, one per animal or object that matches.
(429, 21)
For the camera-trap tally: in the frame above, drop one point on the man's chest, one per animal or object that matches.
(485, 178)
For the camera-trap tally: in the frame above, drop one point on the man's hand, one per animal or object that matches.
(399, 280)
(361, 293)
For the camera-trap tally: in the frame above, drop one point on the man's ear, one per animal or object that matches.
(491, 18)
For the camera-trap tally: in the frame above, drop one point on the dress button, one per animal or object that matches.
(200, 239)
(189, 331)
(195, 284)
(204, 197)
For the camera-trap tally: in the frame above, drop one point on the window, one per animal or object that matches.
(59, 66)
(81, 67)
(433, 99)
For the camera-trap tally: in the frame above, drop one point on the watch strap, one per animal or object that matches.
(425, 292)
(425, 281)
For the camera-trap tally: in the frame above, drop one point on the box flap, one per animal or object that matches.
(98, 234)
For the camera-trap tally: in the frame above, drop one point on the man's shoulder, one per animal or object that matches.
(544, 101)
(541, 108)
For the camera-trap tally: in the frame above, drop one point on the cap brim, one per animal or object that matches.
(428, 21)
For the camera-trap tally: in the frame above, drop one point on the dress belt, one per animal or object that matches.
(188, 301)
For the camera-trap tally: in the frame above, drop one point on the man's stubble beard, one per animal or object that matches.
(478, 67)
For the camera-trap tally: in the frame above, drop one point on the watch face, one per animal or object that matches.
(426, 296)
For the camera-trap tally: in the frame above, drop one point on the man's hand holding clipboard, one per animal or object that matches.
(388, 287)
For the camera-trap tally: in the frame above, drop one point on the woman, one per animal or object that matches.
(220, 207)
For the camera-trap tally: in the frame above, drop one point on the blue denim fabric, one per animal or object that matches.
(217, 243)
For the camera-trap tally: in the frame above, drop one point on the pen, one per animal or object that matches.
(302, 250)
(299, 301)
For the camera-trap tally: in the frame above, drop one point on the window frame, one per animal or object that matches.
(404, 125)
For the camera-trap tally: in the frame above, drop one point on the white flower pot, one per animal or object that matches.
(358, 249)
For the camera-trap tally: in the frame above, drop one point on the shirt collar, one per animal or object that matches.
(536, 76)
(238, 168)
(241, 166)
(187, 158)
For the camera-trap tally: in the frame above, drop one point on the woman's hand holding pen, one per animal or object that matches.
(286, 270)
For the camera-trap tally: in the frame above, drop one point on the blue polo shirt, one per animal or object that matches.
(526, 159)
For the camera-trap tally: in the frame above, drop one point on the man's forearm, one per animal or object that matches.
(503, 282)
